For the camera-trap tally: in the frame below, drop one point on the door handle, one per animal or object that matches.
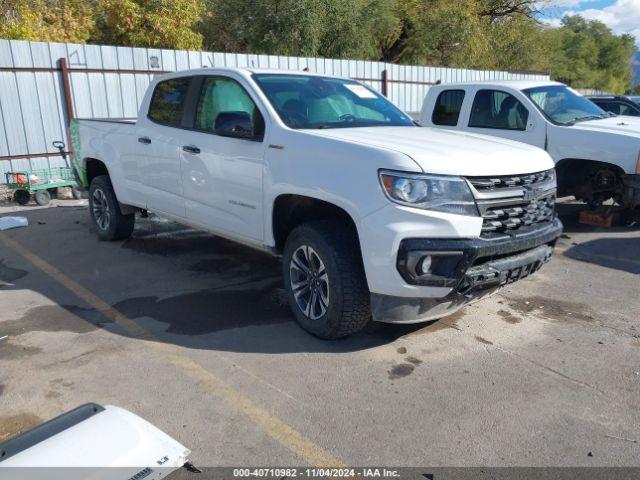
(145, 140)
(191, 149)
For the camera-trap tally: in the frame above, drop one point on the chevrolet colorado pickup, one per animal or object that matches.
(597, 154)
(374, 217)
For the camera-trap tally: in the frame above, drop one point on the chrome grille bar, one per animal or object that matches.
(511, 203)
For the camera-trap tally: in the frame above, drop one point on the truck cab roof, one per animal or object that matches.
(244, 71)
(514, 84)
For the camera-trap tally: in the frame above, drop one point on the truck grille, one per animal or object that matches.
(502, 219)
(482, 184)
(512, 205)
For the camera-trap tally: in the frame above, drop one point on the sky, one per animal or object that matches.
(622, 16)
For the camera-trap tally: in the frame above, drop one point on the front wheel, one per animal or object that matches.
(109, 221)
(325, 280)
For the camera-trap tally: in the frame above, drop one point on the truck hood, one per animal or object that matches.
(449, 153)
(621, 125)
(92, 442)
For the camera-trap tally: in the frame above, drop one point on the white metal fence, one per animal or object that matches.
(39, 93)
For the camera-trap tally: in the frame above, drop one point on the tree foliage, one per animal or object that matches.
(46, 20)
(329, 28)
(485, 34)
(586, 54)
(150, 23)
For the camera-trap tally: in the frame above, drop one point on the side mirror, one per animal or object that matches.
(234, 124)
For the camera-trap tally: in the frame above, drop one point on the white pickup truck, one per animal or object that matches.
(597, 154)
(373, 216)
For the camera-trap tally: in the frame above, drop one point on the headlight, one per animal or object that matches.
(429, 192)
(551, 176)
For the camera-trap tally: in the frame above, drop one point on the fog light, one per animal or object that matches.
(433, 268)
(424, 266)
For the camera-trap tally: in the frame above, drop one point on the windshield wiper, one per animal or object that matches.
(586, 118)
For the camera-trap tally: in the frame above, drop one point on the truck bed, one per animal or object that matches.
(100, 132)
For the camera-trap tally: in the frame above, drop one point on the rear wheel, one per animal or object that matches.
(109, 221)
(42, 197)
(325, 281)
(22, 196)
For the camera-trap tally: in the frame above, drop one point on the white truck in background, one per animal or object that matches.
(597, 154)
(93, 442)
(374, 217)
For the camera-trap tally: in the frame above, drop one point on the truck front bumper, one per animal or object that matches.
(469, 268)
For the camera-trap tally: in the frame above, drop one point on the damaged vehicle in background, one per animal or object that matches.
(597, 153)
(374, 217)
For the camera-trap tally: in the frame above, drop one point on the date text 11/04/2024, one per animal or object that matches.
(316, 472)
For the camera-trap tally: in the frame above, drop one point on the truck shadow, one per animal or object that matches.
(620, 253)
(226, 297)
(246, 321)
(617, 251)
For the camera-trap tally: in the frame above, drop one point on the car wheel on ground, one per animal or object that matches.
(22, 197)
(109, 221)
(42, 197)
(325, 280)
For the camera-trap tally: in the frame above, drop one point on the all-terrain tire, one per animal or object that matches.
(336, 246)
(107, 218)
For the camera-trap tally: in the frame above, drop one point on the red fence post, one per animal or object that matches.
(385, 82)
(68, 100)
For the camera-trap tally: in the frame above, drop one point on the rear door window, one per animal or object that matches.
(613, 107)
(497, 109)
(167, 103)
(626, 109)
(447, 108)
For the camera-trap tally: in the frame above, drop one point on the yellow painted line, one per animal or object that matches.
(277, 429)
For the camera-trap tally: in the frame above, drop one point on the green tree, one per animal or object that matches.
(492, 34)
(46, 20)
(518, 43)
(586, 54)
(484, 34)
(328, 28)
(150, 23)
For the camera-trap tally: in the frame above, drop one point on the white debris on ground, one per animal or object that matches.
(13, 222)
(5, 193)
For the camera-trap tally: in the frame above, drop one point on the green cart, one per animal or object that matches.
(42, 183)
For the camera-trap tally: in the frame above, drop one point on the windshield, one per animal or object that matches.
(305, 101)
(564, 106)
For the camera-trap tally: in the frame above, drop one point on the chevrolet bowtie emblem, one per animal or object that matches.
(532, 193)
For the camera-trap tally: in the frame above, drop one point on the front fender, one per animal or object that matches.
(617, 149)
